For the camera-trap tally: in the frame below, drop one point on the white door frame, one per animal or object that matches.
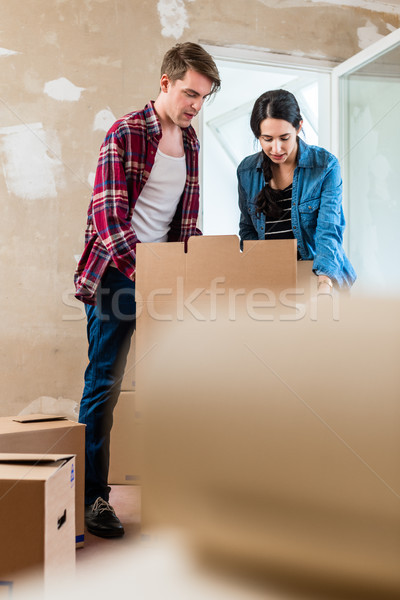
(265, 57)
(270, 59)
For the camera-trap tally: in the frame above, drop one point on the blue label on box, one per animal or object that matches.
(6, 586)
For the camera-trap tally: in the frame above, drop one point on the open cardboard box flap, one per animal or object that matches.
(33, 459)
(262, 264)
(37, 417)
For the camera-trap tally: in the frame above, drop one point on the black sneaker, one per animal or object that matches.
(101, 520)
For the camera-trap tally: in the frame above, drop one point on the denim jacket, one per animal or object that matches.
(317, 214)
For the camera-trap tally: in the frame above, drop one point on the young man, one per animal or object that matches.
(146, 190)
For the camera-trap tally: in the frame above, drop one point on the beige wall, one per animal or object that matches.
(63, 62)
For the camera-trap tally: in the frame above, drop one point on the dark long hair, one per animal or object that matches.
(275, 104)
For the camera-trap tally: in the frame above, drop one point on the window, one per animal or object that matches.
(226, 133)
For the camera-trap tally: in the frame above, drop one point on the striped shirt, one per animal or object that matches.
(126, 158)
(281, 227)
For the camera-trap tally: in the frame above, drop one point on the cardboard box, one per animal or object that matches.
(213, 280)
(125, 442)
(128, 380)
(48, 434)
(184, 291)
(37, 520)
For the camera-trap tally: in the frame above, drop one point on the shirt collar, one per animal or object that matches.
(305, 158)
(152, 121)
(154, 126)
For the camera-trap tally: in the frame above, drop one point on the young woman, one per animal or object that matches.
(293, 190)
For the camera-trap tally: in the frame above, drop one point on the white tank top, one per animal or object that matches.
(156, 205)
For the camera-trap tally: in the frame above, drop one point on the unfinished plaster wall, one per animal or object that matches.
(68, 69)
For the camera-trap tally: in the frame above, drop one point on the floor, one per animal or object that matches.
(126, 501)
(158, 569)
(155, 569)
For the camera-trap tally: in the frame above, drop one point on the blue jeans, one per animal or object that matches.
(110, 325)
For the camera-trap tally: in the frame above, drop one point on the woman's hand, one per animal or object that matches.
(325, 285)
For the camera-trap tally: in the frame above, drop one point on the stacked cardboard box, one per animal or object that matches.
(128, 381)
(125, 441)
(47, 434)
(37, 516)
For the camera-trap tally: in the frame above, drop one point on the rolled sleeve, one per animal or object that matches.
(111, 211)
(329, 255)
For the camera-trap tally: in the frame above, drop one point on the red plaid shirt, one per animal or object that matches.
(126, 158)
